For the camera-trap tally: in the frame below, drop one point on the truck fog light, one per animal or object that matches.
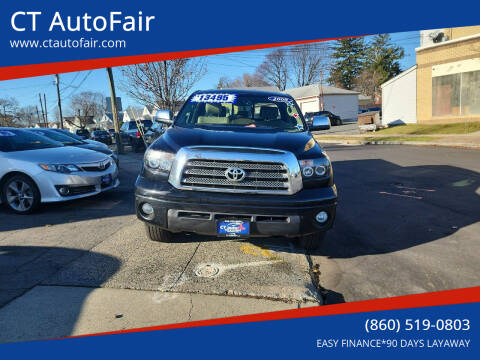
(64, 190)
(307, 171)
(321, 217)
(320, 170)
(147, 209)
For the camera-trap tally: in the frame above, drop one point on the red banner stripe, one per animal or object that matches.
(448, 297)
(23, 71)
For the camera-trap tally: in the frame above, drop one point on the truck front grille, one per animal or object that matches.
(262, 171)
(258, 175)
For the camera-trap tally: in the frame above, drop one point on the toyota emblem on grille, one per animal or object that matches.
(235, 174)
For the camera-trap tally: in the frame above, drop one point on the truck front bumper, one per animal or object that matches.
(269, 215)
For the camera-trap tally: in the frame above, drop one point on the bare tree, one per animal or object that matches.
(367, 83)
(246, 80)
(163, 84)
(27, 116)
(307, 62)
(85, 106)
(87, 103)
(275, 68)
(224, 82)
(8, 109)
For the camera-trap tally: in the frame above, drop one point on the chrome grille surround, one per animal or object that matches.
(268, 171)
(97, 166)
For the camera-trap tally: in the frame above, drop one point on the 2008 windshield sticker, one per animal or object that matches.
(214, 98)
(286, 100)
(6, 133)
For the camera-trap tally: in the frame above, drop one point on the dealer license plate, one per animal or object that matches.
(106, 179)
(233, 228)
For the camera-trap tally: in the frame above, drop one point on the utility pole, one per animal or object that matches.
(4, 116)
(38, 114)
(57, 82)
(116, 124)
(45, 104)
(322, 96)
(41, 107)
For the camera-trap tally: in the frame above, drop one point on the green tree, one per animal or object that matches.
(349, 55)
(382, 63)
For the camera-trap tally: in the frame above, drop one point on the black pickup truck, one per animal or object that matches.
(237, 163)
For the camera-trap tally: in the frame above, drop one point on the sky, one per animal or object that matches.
(231, 65)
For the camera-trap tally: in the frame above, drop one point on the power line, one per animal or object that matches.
(76, 88)
(71, 82)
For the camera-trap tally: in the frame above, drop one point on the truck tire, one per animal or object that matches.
(312, 241)
(156, 233)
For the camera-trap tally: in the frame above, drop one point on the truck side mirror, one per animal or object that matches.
(320, 123)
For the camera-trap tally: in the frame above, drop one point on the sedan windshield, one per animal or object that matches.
(21, 140)
(69, 134)
(54, 135)
(228, 110)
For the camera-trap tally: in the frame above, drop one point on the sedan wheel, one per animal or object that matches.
(21, 194)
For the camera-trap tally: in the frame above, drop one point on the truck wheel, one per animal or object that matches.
(312, 241)
(156, 233)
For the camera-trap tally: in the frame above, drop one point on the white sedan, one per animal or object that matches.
(35, 169)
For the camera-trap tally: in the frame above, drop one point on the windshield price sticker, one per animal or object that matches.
(214, 98)
(6, 133)
(286, 100)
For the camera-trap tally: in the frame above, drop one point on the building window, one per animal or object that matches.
(456, 94)
(470, 104)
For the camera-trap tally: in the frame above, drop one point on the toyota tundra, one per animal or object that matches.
(237, 163)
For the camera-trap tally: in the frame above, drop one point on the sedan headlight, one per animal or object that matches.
(61, 168)
(312, 168)
(160, 161)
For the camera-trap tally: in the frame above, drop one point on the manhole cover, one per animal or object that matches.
(207, 270)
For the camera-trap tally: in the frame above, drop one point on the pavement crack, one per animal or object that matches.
(185, 268)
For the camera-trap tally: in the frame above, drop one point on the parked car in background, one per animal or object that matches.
(60, 136)
(76, 137)
(102, 136)
(35, 169)
(132, 135)
(111, 132)
(83, 133)
(334, 119)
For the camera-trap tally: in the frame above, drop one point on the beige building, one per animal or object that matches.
(448, 75)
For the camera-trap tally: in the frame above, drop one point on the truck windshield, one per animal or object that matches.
(228, 110)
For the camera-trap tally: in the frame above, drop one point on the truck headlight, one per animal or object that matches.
(61, 168)
(314, 167)
(160, 161)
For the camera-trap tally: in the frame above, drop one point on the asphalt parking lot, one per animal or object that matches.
(407, 222)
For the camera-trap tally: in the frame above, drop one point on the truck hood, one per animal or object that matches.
(177, 137)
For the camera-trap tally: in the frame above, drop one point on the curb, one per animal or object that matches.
(414, 143)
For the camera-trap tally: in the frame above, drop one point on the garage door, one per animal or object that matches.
(309, 106)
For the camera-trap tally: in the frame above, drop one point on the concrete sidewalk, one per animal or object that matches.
(455, 141)
(47, 312)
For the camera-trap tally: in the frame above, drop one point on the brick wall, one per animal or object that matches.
(445, 53)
